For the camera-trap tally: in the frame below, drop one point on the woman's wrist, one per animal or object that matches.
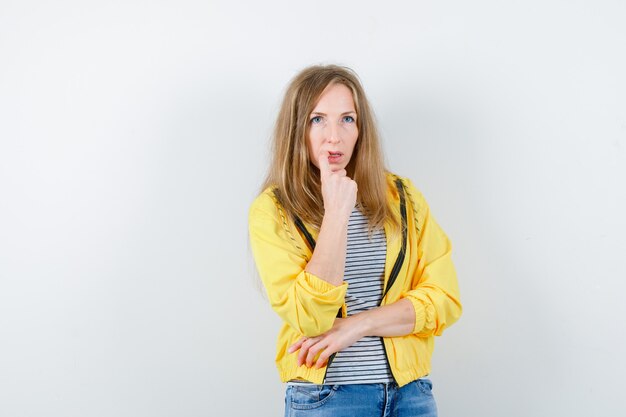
(363, 325)
(335, 219)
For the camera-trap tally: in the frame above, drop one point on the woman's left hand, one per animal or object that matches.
(344, 333)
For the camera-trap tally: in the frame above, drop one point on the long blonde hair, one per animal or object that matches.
(295, 177)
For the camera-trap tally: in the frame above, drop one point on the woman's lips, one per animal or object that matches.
(335, 157)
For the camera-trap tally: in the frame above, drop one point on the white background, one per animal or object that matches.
(134, 135)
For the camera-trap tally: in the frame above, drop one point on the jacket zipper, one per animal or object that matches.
(399, 261)
(332, 357)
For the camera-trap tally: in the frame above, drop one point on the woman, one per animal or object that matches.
(351, 259)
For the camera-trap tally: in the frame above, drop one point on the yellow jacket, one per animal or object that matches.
(308, 305)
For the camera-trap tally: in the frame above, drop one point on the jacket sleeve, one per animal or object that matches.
(435, 290)
(304, 301)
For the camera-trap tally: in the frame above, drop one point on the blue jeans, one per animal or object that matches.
(361, 400)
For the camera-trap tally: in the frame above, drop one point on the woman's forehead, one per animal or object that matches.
(336, 98)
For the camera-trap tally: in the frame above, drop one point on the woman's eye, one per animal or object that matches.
(348, 119)
(316, 119)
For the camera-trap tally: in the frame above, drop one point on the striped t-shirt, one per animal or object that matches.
(365, 361)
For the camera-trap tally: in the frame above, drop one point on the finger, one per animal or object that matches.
(304, 350)
(314, 351)
(323, 359)
(322, 161)
(297, 345)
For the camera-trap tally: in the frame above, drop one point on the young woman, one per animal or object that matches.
(351, 259)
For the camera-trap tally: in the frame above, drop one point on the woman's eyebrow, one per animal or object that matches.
(319, 113)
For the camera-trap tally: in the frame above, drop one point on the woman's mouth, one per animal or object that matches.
(334, 157)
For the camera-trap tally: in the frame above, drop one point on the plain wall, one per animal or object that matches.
(134, 136)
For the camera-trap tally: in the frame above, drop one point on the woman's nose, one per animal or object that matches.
(333, 134)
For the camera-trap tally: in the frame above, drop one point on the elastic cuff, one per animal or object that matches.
(322, 286)
(420, 314)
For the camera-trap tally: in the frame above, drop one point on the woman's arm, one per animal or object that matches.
(435, 294)
(392, 320)
(339, 193)
(327, 261)
(306, 295)
(304, 301)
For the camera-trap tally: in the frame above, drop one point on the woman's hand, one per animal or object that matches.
(338, 190)
(344, 333)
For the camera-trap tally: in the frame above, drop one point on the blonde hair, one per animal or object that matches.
(292, 172)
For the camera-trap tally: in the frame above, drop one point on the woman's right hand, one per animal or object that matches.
(338, 190)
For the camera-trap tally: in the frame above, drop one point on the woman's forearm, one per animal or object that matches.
(393, 320)
(396, 319)
(329, 257)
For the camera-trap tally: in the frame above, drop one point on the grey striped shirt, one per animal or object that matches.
(365, 361)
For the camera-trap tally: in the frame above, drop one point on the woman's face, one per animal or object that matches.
(332, 127)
